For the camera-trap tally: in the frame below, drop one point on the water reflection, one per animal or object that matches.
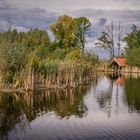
(103, 93)
(132, 91)
(21, 109)
(115, 89)
(86, 112)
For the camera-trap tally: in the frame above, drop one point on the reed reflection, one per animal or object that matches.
(111, 95)
(20, 109)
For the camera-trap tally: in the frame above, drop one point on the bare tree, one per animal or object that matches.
(108, 39)
(9, 25)
(120, 33)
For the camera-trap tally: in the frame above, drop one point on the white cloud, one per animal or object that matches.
(64, 5)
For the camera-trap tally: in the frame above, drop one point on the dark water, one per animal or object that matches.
(108, 109)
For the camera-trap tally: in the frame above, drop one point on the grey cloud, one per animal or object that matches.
(116, 15)
(100, 18)
(41, 18)
(25, 18)
(102, 21)
(63, 5)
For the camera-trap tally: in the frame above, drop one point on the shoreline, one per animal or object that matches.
(44, 88)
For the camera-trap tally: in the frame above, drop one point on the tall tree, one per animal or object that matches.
(82, 25)
(64, 31)
(70, 32)
(133, 46)
(111, 38)
(133, 38)
(120, 33)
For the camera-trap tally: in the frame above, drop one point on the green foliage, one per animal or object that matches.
(70, 32)
(12, 60)
(36, 38)
(133, 38)
(133, 57)
(82, 26)
(21, 50)
(64, 30)
(74, 55)
(25, 54)
(60, 54)
(88, 57)
(133, 49)
(33, 61)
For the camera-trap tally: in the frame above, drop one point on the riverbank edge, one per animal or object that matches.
(43, 88)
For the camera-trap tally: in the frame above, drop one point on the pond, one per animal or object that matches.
(107, 109)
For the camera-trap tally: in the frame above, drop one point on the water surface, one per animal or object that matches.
(108, 109)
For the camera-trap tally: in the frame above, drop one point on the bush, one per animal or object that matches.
(74, 55)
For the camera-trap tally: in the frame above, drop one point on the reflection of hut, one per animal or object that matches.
(120, 81)
(118, 63)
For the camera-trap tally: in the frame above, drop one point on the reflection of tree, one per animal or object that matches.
(71, 104)
(65, 103)
(132, 88)
(10, 114)
(20, 109)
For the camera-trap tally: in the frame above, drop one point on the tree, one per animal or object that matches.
(37, 38)
(82, 25)
(109, 40)
(133, 38)
(120, 32)
(64, 30)
(133, 46)
(70, 32)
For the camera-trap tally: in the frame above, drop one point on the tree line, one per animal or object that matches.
(24, 55)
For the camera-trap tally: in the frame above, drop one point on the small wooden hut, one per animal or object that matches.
(117, 63)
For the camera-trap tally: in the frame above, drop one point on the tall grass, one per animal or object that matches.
(53, 74)
(62, 74)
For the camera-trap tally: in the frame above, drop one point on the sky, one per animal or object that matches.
(27, 14)
(62, 5)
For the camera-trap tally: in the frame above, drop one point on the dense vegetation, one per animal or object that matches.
(133, 50)
(31, 57)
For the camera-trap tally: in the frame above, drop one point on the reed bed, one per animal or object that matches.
(62, 75)
(53, 74)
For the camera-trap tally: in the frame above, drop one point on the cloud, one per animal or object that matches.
(101, 18)
(25, 18)
(34, 13)
(63, 5)
(102, 21)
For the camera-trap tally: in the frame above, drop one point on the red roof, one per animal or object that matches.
(120, 61)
